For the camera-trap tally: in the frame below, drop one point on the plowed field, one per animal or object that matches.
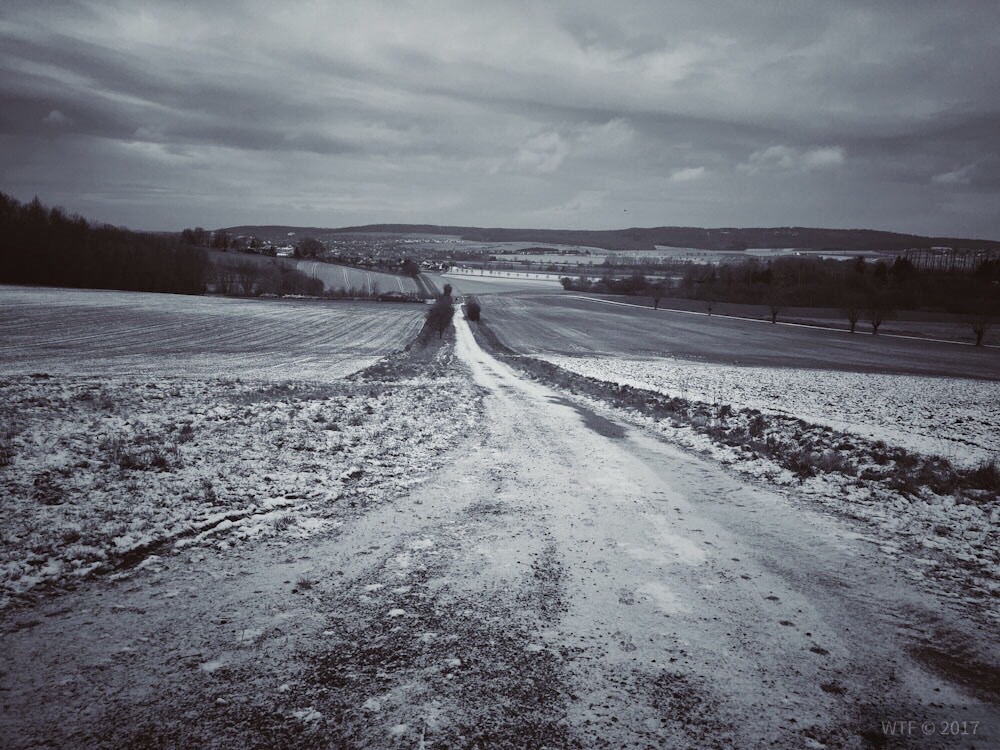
(84, 332)
(368, 282)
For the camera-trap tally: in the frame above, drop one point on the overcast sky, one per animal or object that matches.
(158, 114)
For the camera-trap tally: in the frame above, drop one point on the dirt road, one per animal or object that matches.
(566, 582)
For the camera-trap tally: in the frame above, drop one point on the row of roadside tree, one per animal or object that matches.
(862, 290)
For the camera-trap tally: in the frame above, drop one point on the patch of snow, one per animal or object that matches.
(307, 715)
(665, 599)
(213, 665)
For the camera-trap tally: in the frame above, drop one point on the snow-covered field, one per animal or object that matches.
(98, 332)
(956, 418)
(135, 422)
(337, 277)
(97, 474)
(563, 581)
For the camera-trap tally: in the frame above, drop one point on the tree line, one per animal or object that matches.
(48, 247)
(812, 282)
(860, 289)
(246, 278)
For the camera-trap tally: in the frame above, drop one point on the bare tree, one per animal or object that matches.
(879, 308)
(473, 309)
(657, 290)
(410, 268)
(853, 308)
(775, 301)
(225, 279)
(981, 321)
(309, 247)
(248, 274)
(220, 239)
(269, 281)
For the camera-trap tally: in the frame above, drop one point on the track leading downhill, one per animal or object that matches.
(566, 582)
(698, 610)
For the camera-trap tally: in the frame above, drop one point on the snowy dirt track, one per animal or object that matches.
(566, 581)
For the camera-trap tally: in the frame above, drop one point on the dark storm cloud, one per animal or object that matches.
(108, 94)
(513, 113)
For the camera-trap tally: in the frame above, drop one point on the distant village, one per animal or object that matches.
(375, 253)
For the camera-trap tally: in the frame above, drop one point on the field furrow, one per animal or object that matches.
(95, 332)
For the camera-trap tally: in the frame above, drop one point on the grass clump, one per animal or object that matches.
(9, 429)
(986, 476)
(140, 453)
(6, 450)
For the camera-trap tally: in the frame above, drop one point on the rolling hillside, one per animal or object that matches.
(731, 238)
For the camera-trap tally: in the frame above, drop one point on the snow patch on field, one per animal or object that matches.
(956, 418)
(98, 474)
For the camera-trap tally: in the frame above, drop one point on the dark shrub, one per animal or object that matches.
(439, 316)
(986, 476)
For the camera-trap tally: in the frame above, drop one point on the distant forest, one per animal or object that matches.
(48, 247)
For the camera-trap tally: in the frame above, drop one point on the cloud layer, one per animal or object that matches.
(567, 114)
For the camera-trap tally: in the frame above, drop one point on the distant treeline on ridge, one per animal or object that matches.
(639, 238)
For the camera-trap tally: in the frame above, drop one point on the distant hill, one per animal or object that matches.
(638, 239)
